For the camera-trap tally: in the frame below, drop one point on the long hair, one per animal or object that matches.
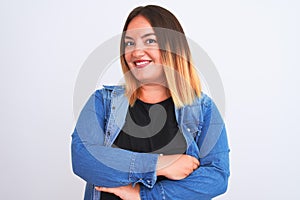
(182, 79)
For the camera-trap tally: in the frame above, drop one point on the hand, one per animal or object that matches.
(176, 167)
(124, 192)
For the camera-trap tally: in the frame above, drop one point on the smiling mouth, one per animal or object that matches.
(142, 63)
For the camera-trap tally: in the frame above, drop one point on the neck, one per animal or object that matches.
(153, 93)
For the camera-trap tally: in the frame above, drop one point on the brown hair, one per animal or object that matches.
(182, 78)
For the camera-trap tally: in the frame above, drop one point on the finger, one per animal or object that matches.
(196, 161)
(104, 189)
(195, 166)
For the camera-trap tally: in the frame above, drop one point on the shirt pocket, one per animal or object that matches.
(191, 128)
(194, 129)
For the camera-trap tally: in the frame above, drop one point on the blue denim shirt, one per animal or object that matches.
(99, 164)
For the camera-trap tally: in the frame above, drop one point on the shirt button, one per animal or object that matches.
(188, 129)
(113, 107)
(148, 181)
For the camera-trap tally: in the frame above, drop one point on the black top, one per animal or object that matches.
(150, 128)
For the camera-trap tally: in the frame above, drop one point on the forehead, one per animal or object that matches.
(139, 25)
(138, 22)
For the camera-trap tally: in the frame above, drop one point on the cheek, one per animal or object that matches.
(157, 55)
(127, 57)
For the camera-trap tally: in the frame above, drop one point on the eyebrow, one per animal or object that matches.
(146, 35)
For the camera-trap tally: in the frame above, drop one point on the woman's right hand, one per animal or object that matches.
(176, 167)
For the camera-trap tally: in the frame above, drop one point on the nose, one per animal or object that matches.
(138, 50)
(138, 53)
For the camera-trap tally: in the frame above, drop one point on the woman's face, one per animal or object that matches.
(142, 52)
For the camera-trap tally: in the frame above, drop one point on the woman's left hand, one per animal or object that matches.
(124, 192)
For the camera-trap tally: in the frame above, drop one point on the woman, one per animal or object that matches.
(159, 136)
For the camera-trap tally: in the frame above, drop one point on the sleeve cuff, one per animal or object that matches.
(143, 169)
(156, 192)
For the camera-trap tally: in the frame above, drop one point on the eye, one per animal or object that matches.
(128, 43)
(150, 41)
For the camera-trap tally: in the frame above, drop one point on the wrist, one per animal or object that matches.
(159, 165)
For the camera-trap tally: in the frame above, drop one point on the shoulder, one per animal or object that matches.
(107, 90)
(209, 108)
(203, 105)
(204, 100)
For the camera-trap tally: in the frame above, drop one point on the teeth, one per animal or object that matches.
(141, 63)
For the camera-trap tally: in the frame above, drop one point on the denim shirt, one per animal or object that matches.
(99, 164)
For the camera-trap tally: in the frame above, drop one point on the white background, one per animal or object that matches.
(254, 45)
